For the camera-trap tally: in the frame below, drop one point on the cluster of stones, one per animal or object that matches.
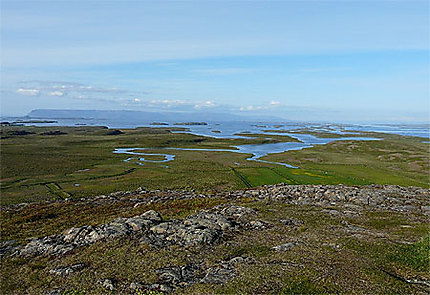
(172, 277)
(385, 197)
(206, 227)
(168, 278)
(151, 196)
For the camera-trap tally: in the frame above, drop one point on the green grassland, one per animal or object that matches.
(395, 159)
(80, 163)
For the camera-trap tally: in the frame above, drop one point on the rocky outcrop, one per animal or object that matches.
(172, 277)
(204, 228)
(385, 197)
(209, 227)
(85, 235)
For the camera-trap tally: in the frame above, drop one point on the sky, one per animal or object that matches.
(297, 60)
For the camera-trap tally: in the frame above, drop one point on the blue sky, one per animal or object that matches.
(312, 60)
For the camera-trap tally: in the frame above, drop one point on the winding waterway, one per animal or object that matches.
(256, 150)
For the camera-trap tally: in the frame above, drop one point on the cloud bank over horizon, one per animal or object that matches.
(119, 99)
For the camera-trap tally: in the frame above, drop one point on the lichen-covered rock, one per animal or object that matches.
(86, 235)
(151, 215)
(8, 247)
(283, 247)
(172, 277)
(159, 287)
(257, 224)
(236, 212)
(209, 220)
(218, 275)
(53, 245)
(387, 197)
(178, 275)
(291, 222)
(67, 270)
(108, 284)
(204, 228)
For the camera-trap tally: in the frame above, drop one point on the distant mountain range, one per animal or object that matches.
(137, 116)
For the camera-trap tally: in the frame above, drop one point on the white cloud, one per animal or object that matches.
(206, 104)
(30, 92)
(74, 90)
(272, 104)
(253, 108)
(167, 103)
(81, 97)
(57, 93)
(93, 98)
(51, 86)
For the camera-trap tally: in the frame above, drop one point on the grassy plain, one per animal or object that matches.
(394, 159)
(80, 163)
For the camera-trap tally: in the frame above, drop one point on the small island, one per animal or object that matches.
(5, 123)
(159, 123)
(191, 123)
(36, 121)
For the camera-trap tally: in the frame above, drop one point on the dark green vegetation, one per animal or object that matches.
(415, 256)
(329, 257)
(78, 162)
(395, 159)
